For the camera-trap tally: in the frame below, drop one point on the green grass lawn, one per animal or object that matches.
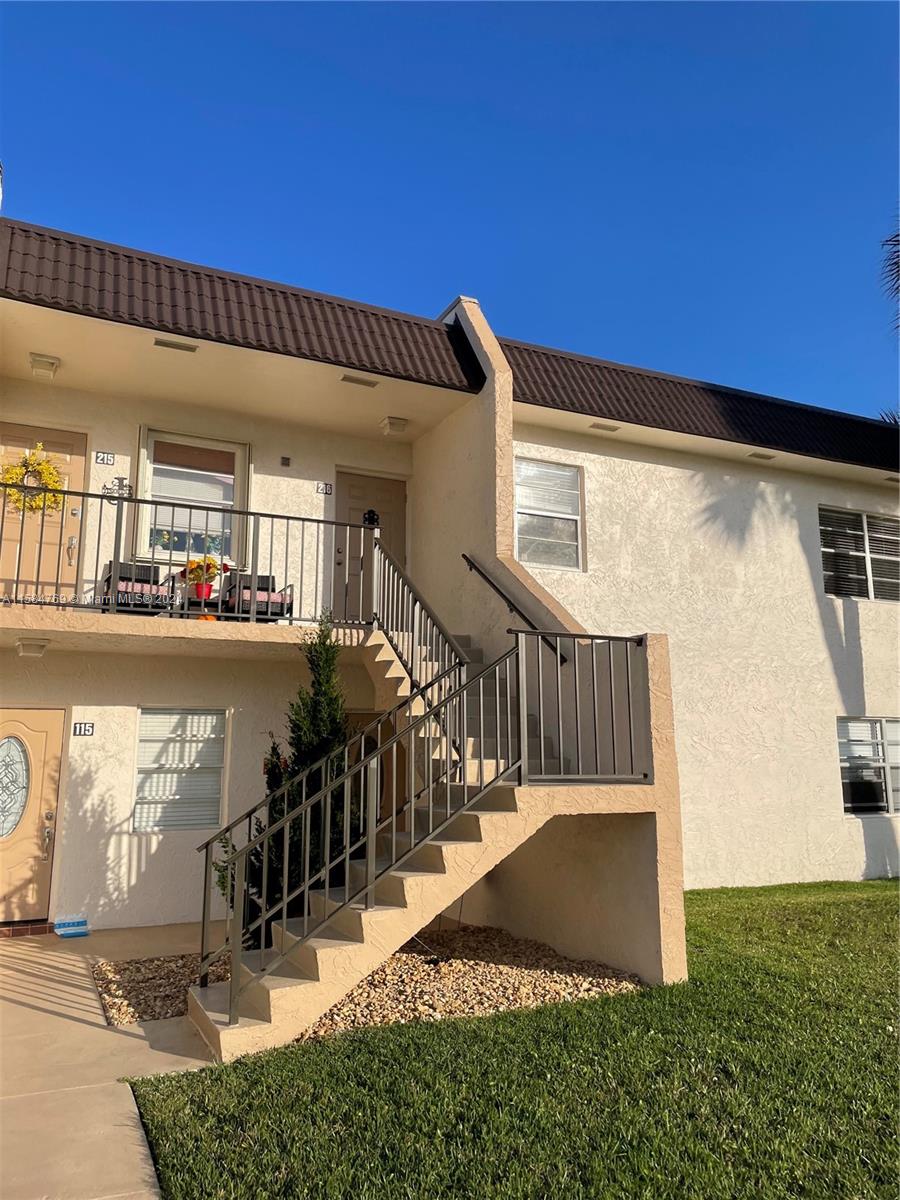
(771, 1073)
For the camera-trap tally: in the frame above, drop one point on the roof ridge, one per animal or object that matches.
(705, 383)
(220, 273)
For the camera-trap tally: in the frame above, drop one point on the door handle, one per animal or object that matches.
(48, 838)
(71, 546)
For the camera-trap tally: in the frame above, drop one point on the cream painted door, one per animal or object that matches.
(39, 550)
(30, 755)
(355, 495)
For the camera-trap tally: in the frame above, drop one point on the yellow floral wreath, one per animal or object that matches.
(34, 471)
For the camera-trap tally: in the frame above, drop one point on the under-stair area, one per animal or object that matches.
(327, 877)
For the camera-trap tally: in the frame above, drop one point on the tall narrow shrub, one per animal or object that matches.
(317, 727)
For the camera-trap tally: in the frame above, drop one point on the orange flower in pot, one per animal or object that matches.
(201, 572)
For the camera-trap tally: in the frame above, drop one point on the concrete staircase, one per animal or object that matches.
(317, 972)
(459, 819)
(313, 973)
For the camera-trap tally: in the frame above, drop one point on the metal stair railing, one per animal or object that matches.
(334, 846)
(410, 625)
(330, 849)
(259, 816)
(436, 665)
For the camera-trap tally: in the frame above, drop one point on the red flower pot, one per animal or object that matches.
(203, 591)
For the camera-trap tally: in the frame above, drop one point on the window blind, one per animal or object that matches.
(181, 755)
(870, 764)
(548, 513)
(860, 554)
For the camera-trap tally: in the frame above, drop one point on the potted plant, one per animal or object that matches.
(201, 572)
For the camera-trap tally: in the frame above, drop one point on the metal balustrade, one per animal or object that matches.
(113, 552)
(554, 709)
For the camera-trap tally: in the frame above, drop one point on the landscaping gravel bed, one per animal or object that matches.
(470, 971)
(149, 989)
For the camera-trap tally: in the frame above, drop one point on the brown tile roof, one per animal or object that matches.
(614, 392)
(80, 275)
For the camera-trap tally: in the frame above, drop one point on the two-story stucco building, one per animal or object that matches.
(433, 486)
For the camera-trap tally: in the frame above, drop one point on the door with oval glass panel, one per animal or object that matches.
(30, 756)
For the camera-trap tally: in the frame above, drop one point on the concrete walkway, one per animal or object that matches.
(69, 1130)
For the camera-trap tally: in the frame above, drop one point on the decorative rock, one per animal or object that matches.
(465, 972)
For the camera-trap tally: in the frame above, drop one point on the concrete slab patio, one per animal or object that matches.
(69, 1129)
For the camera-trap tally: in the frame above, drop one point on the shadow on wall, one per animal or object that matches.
(733, 509)
(881, 850)
(112, 872)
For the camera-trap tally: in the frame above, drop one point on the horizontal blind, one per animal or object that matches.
(181, 754)
(884, 555)
(860, 554)
(548, 513)
(865, 778)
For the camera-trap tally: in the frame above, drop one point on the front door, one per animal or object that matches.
(39, 550)
(355, 495)
(30, 755)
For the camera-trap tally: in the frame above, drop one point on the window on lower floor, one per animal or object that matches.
(870, 764)
(548, 514)
(181, 759)
(860, 554)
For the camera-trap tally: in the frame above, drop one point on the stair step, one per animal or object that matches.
(312, 956)
(208, 1009)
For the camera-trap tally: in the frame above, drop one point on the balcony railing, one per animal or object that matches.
(116, 553)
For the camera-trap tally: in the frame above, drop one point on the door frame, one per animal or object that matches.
(397, 476)
(61, 788)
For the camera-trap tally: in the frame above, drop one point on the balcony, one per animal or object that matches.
(84, 566)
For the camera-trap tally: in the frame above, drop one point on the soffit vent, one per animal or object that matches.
(604, 428)
(359, 381)
(759, 454)
(166, 344)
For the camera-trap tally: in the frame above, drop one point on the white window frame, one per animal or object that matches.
(882, 763)
(865, 554)
(224, 773)
(241, 451)
(539, 512)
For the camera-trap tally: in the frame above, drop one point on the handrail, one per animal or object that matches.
(436, 621)
(255, 907)
(509, 602)
(115, 497)
(364, 762)
(118, 552)
(635, 638)
(359, 736)
(589, 725)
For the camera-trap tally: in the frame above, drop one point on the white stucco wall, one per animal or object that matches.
(101, 866)
(724, 558)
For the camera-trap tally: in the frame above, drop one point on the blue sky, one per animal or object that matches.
(696, 188)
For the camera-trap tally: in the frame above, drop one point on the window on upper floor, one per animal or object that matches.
(548, 514)
(870, 764)
(181, 760)
(186, 476)
(860, 554)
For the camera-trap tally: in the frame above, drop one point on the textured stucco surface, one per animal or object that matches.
(101, 867)
(114, 424)
(725, 559)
